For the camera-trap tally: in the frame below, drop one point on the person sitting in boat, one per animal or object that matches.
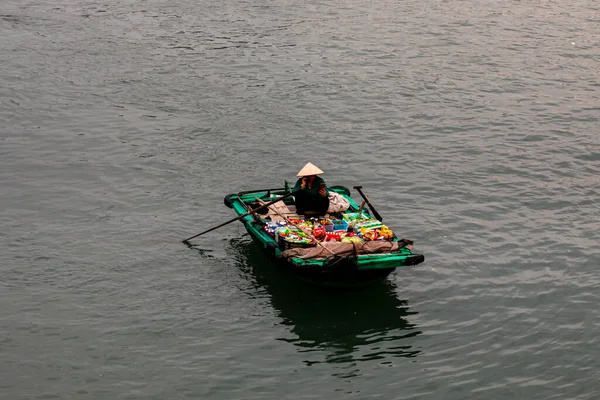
(312, 196)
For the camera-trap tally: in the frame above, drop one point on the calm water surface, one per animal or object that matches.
(472, 126)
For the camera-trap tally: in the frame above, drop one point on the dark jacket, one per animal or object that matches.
(313, 191)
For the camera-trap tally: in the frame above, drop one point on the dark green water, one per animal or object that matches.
(472, 126)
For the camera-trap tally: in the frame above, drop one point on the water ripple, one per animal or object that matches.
(471, 126)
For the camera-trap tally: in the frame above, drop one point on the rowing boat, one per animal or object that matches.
(331, 264)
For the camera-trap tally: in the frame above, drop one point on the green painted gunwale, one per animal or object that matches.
(364, 262)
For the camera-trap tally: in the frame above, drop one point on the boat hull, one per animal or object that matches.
(341, 274)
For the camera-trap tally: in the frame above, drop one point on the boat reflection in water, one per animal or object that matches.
(332, 326)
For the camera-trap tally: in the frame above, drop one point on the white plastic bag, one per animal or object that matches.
(337, 202)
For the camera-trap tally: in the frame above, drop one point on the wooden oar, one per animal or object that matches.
(291, 223)
(375, 213)
(362, 205)
(252, 211)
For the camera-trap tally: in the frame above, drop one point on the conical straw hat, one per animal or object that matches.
(309, 169)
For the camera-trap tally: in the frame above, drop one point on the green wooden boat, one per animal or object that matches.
(349, 271)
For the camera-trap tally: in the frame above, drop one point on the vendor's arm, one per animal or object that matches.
(298, 185)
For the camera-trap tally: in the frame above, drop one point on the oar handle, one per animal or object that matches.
(252, 211)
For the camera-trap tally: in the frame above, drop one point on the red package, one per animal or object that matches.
(319, 233)
(333, 236)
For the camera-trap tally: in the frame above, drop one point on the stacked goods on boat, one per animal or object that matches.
(352, 228)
